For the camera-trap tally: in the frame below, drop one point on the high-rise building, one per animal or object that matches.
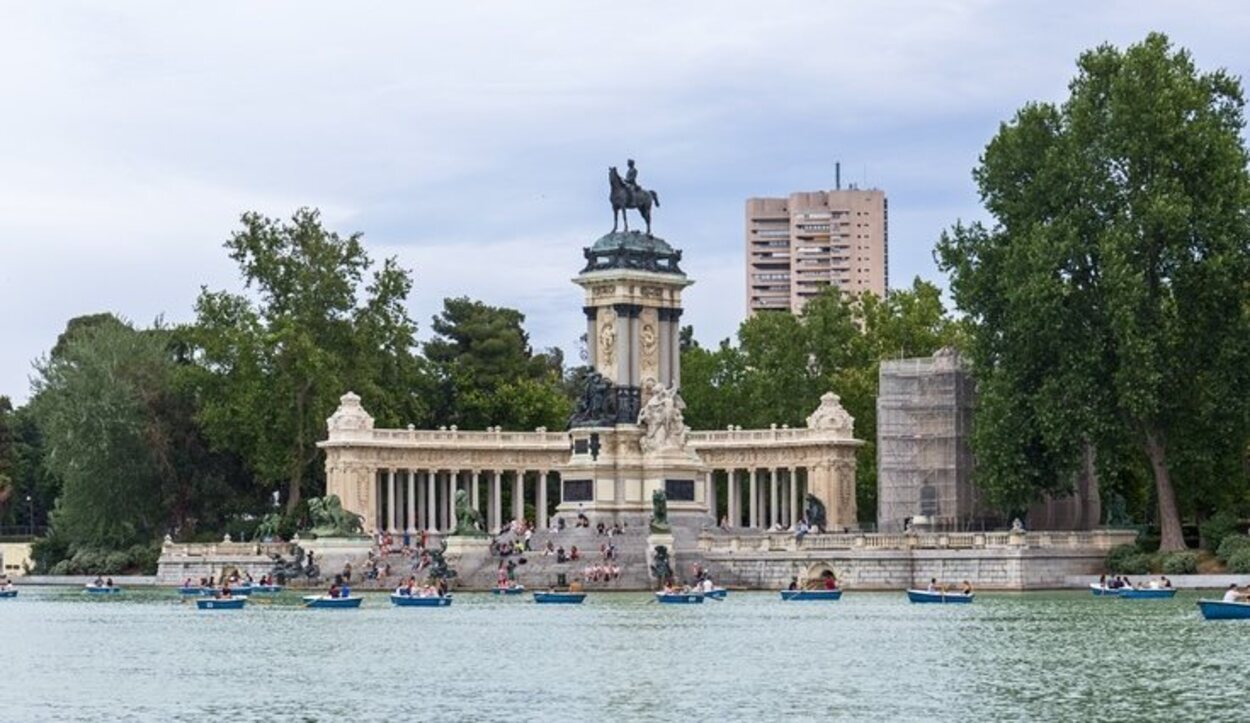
(797, 246)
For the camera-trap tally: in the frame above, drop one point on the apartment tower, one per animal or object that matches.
(798, 245)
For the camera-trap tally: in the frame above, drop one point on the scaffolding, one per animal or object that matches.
(924, 459)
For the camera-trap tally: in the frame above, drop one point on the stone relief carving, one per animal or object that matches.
(607, 342)
(350, 416)
(661, 420)
(831, 416)
(649, 345)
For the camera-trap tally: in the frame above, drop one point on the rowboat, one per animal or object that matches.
(924, 596)
(195, 590)
(789, 595)
(416, 601)
(679, 598)
(222, 603)
(9, 591)
(102, 589)
(266, 589)
(509, 590)
(716, 593)
(1220, 610)
(323, 601)
(1147, 593)
(1104, 591)
(559, 598)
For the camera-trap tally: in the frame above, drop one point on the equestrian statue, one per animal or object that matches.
(627, 194)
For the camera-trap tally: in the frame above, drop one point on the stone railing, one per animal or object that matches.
(786, 541)
(487, 439)
(755, 437)
(224, 549)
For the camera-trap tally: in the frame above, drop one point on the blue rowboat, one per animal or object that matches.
(102, 590)
(321, 601)
(1147, 593)
(1220, 610)
(196, 590)
(513, 590)
(559, 598)
(266, 589)
(924, 596)
(224, 603)
(789, 595)
(679, 598)
(1101, 591)
(416, 601)
(717, 593)
(8, 592)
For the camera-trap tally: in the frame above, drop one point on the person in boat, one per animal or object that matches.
(226, 592)
(933, 586)
(794, 584)
(576, 586)
(1167, 584)
(706, 586)
(831, 582)
(1232, 594)
(334, 589)
(965, 588)
(108, 582)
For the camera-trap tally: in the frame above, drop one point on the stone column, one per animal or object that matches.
(449, 524)
(391, 515)
(709, 495)
(794, 497)
(592, 335)
(431, 501)
(379, 514)
(518, 494)
(412, 502)
(541, 504)
(496, 509)
(674, 346)
(754, 516)
(773, 507)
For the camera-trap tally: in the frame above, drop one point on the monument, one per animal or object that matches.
(627, 433)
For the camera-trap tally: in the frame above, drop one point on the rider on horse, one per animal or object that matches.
(631, 181)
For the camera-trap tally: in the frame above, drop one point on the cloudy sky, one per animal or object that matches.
(471, 139)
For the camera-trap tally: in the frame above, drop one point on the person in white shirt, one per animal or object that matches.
(1230, 595)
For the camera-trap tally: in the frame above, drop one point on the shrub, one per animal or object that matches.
(1216, 528)
(1231, 545)
(1139, 564)
(1118, 554)
(116, 562)
(1180, 563)
(1239, 562)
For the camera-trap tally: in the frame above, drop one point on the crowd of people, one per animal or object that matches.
(409, 587)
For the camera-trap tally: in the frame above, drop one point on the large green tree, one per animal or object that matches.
(274, 365)
(1108, 299)
(783, 363)
(488, 373)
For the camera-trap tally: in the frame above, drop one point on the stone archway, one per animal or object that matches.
(820, 571)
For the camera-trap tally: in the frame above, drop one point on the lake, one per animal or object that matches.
(147, 656)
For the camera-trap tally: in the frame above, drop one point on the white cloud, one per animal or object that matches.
(471, 138)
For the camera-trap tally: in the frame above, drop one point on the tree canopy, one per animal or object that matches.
(1108, 299)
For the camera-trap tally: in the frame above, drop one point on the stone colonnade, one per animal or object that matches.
(759, 497)
(412, 500)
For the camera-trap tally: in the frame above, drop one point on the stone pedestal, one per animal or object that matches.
(609, 478)
(332, 553)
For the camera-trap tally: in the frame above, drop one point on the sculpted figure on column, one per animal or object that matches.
(661, 419)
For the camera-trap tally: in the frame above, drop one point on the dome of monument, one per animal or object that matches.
(632, 250)
(631, 241)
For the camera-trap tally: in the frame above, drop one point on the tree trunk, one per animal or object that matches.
(293, 492)
(1171, 538)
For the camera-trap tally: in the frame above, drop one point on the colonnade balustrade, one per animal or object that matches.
(414, 500)
(758, 497)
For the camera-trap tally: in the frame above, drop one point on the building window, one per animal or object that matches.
(579, 490)
(928, 500)
(679, 490)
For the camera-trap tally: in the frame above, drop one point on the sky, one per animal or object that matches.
(471, 140)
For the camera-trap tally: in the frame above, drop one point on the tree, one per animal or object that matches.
(273, 369)
(91, 403)
(784, 363)
(1108, 301)
(487, 372)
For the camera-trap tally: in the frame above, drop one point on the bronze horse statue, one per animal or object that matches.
(623, 199)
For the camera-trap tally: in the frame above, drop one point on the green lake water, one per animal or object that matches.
(147, 656)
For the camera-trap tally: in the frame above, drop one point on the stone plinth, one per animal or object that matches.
(608, 477)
